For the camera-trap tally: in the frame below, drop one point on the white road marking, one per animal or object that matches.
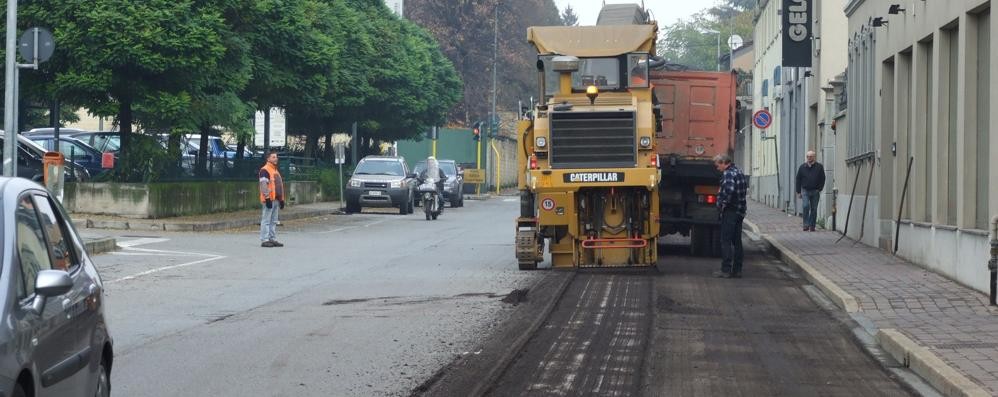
(130, 248)
(337, 230)
(164, 268)
(510, 200)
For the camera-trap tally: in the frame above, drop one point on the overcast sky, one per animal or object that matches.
(665, 11)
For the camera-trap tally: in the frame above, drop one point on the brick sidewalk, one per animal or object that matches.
(945, 318)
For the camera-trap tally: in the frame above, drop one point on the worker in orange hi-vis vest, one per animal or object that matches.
(272, 200)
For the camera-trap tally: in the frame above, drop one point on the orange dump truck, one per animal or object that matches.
(696, 112)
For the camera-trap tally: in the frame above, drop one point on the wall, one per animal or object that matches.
(162, 200)
(934, 101)
(458, 145)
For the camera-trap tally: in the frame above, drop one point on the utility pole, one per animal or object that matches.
(493, 124)
(10, 108)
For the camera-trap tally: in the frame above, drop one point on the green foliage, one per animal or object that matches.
(329, 184)
(569, 17)
(148, 163)
(200, 66)
(466, 33)
(692, 41)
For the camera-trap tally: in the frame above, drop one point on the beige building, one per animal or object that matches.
(919, 87)
(767, 94)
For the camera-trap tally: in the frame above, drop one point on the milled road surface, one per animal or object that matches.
(361, 305)
(680, 332)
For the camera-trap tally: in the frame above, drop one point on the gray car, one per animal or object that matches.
(53, 337)
(381, 182)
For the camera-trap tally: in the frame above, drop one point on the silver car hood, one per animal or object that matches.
(377, 178)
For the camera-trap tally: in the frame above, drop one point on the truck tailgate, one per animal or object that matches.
(698, 113)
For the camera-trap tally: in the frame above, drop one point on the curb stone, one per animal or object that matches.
(101, 245)
(923, 362)
(909, 353)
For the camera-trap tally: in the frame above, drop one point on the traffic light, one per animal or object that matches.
(476, 131)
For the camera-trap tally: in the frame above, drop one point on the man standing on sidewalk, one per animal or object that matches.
(731, 203)
(272, 199)
(810, 183)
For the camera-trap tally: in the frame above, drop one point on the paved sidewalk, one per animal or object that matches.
(943, 331)
(202, 223)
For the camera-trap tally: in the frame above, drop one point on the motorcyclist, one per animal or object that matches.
(433, 170)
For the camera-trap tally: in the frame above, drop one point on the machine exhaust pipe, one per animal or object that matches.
(542, 98)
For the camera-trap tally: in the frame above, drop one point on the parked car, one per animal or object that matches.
(216, 146)
(30, 165)
(74, 150)
(381, 181)
(55, 336)
(453, 186)
(102, 141)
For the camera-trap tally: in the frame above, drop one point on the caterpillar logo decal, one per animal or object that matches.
(584, 177)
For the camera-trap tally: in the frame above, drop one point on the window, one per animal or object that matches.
(33, 257)
(953, 66)
(861, 81)
(604, 73)
(983, 116)
(904, 125)
(380, 167)
(60, 243)
(73, 152)
(927, 155)
(637, 70)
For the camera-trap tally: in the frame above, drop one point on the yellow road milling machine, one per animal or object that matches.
(588, 169)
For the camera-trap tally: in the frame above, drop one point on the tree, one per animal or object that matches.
(465, 32)
(145, 62)
(692, 41)
(569, 17)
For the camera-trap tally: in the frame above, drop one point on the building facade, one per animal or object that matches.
(767, 94)
(828, 64)
(919, 91)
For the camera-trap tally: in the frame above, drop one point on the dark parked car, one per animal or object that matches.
(453, 186)
(75, 150)
(55, 336)
(30, 166)
(381, 181)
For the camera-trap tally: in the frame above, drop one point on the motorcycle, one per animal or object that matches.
(431, 198)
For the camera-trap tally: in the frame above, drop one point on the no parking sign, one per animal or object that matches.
(762, 119)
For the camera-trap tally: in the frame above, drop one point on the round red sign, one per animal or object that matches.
(762, 119)
(547, 204)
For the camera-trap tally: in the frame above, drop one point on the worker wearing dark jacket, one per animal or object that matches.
(732, 205)
(810, 183)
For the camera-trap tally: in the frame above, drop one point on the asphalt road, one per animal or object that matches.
(680, 332)
(359, 305)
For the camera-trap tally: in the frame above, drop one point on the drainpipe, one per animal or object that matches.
(993, 264)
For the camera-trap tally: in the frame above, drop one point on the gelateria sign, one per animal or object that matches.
(797, 32)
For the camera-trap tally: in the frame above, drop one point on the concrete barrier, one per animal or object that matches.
(165, 200)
